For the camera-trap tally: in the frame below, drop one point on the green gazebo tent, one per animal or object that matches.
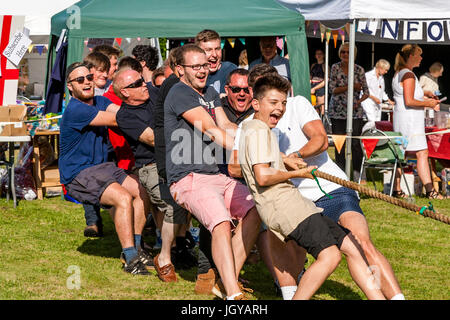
(184, 19)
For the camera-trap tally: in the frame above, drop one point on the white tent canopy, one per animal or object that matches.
(369, 9)
(339, 11)
(37, 14)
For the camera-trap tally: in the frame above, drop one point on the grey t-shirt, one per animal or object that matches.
(187, 149)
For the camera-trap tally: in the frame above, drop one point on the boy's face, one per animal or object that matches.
(271, 107)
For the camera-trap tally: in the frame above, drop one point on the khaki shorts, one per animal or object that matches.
(149, 178)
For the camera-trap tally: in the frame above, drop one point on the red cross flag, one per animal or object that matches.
(9, 73)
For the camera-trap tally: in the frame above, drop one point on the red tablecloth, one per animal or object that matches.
(438, 144)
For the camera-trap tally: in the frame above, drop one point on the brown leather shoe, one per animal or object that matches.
(166, 273)
(206, 281)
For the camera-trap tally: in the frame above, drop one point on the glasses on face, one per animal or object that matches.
(197, 67)
(138, 83)
(238, 89)
(80, 80)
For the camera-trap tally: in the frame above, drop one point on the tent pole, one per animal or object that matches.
(327, 57)
(351, 76)
(373, 54)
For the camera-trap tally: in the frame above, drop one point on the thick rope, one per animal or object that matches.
(425, 211)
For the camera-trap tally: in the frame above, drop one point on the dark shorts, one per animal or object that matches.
(318, 232)
(344, 200)
(319, 92)
(89, 185)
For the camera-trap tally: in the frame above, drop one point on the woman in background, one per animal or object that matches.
(409, 114)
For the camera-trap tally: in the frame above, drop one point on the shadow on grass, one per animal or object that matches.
(107, 246)
(338, 291)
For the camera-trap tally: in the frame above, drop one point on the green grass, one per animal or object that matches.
(39, 240)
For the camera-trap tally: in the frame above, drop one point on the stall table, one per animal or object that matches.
(49, 176)
(11, 140)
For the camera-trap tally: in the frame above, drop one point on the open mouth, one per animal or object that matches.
(275, 117)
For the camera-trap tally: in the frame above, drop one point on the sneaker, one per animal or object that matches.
(146, 258)
(206, 281)
(93, 231)
(136, 267)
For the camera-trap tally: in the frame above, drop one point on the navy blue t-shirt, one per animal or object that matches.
(187, 149)
(218, 79)
(81, 145)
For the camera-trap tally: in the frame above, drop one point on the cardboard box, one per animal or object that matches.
(11, 120)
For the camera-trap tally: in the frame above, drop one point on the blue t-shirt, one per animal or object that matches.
(81, 145)
(279, 63)
(218, 79)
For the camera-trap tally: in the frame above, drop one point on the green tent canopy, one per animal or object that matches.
(184, 19)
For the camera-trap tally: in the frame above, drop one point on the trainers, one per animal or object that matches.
(146, 258)
(93, 231)
(206, 281)
(136, 267)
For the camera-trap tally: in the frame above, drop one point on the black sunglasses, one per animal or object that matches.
(138, 83)
(238, 89)
(80, 80)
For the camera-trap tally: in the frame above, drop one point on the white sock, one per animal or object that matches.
(398, 296)
(288, 292)
(234, 296)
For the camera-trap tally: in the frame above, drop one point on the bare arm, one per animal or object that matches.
(202, 121)
(234, 168)
(317, 139)
(104, 118)
(266, 176)
(148, 137)
(409, 84)
(113, 108)
(224, 123)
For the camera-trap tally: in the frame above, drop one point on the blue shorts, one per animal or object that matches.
(344, 200)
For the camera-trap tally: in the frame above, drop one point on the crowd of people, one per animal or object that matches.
(233, 148)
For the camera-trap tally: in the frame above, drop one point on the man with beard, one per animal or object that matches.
(193, 121)
(86, 174)
(209, 41)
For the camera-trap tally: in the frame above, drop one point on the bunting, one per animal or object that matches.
(338, 140)
(369, 146)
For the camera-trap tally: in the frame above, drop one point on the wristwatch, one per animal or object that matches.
(298, 154)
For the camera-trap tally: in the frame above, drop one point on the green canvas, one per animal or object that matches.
(184, 19)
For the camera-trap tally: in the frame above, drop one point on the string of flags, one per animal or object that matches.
(414, 30)
(38, 47)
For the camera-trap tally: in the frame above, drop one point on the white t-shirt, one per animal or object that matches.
(291, 138)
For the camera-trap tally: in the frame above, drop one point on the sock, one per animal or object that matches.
(137, 241)
(234, 296)
(130, 253)
(288, 292)
(398, 296)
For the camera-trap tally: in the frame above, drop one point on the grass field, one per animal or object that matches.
(42, 248)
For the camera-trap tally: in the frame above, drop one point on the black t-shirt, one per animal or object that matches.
(187, 149)
(158, 111)
(132, 121)
(153, 93)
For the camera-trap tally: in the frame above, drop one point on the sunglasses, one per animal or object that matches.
(80, 80)
(138, 83)
(238, 89)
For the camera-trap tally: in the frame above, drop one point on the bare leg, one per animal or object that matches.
(141, 202)
(222, 254)
(318, 272)
(117, 196)
(288, 260)
(423, 168)
(357, 224)
(263, 244)
(359, 270)
(168, 232)
(244, 238)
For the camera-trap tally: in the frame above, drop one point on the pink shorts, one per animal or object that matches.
(212, 199)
